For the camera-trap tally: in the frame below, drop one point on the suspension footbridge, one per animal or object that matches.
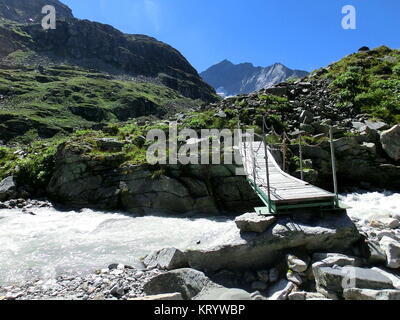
(279, 191)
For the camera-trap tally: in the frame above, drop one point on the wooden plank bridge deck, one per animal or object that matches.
(285, 191)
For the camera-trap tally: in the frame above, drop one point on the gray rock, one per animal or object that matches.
(117, 291)
(213, 294)
(297, 264)
(368, 294)
(109, 144)
(302, 295)
(390, 140)
(359, 126)
(188, 282)
(389, 274)
(235, 250)
(253, 222)
(167, 259)
(376, 125)
(392, 250)
(7, 188)
(332, 281)
(281, 290)
(331, 259)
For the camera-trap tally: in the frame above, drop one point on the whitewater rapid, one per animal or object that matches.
(54, 242)
(367, 206)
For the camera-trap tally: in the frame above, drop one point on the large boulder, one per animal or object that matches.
(236, 250)
(167, 259)
(188, 282)
(332, 281)
(368, 294)
(390, 140)
(7, 188)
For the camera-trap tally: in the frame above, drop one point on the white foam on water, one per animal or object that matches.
(55, 242)
(367, 206)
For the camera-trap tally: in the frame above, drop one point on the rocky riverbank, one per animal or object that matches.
(115, 282)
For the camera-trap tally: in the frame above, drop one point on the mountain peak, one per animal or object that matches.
(233, 79)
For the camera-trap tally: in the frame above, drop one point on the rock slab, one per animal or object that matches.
(253, 222)
(234, 250)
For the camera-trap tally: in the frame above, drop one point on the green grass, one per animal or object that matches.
(368, 82)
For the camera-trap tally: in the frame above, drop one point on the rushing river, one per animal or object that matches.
(54, 242)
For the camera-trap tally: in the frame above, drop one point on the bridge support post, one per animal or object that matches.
(335, 184)
(265, 142)
(284, 154)
(301, 158)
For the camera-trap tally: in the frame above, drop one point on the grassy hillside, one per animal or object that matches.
(367, 82)
(59, 100)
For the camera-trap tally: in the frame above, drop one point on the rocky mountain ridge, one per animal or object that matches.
(229, 79)
(97, 46)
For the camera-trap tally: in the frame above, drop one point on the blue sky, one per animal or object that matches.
(304, 34)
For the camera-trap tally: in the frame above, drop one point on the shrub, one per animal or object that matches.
(37, 169)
